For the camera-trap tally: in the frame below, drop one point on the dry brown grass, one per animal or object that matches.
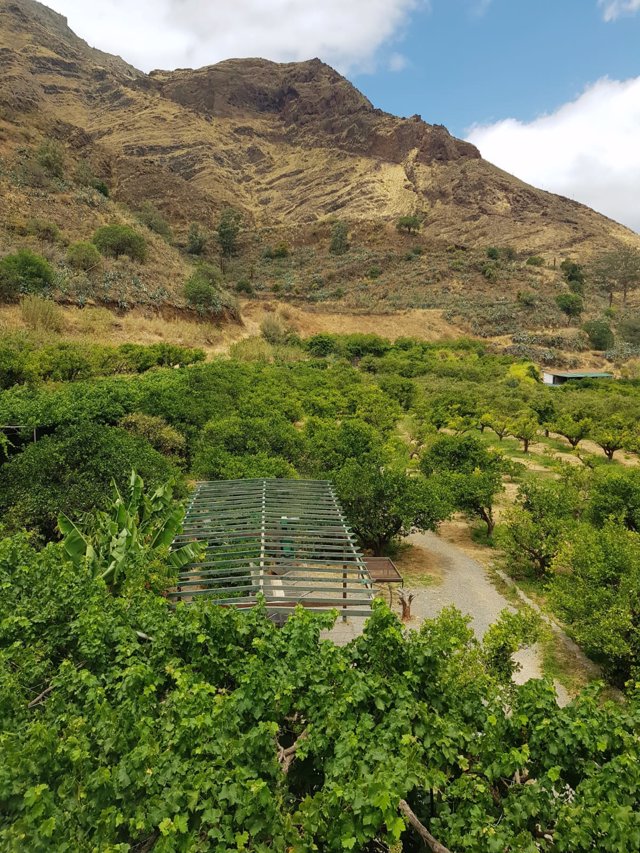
(41, 314)
(424, 324)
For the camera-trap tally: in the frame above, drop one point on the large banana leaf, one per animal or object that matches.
(135, 524)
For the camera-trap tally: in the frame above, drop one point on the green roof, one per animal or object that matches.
(577, 374)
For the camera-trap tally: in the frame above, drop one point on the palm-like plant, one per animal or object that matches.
(135, 524)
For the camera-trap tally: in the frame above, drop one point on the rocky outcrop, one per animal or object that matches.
(314, 104)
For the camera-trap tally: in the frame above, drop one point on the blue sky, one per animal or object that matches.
(549, 90)
(517, 58)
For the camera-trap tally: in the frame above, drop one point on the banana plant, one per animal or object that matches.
(135, 523)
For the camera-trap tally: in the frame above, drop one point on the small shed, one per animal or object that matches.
(285, 541)
(559, 377)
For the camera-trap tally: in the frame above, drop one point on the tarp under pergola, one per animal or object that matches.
(287, 540)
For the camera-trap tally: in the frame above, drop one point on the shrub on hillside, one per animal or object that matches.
(274, 330)
(117, 240)
(51, 157)
(339, 239)
(535, 261)
(48, 232)
(409, 224)
(24, 272)
(83, 256)
(196, 240)
(600, 334)
(570, 304)
(629, 329)
(279, 251)
(245, 286)
(150, 216)
(101, 187)
(229, 231)
(204, 292)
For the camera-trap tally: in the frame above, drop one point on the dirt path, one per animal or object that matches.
(465, 583)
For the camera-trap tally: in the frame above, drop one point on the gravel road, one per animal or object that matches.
(465, 584)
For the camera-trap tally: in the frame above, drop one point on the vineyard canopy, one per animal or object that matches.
(287, 540)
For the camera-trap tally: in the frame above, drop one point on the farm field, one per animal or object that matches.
(418, 436)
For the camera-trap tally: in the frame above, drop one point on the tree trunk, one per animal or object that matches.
(432, 843)
(525, 442)
(487, 516)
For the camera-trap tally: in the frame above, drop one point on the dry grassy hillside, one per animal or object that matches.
(293, 147)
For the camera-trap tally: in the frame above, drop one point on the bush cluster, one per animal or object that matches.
(117, 240)
(24, 272)
(22, 361)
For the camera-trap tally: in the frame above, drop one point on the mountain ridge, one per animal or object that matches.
(293, 146)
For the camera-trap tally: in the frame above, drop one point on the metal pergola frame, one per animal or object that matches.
(287, 540)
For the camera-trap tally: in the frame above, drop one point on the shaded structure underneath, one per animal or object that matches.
(286, 540)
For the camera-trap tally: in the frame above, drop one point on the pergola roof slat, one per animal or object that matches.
(285, 540)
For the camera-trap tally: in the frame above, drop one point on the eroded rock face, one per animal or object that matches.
(314, 104)
(286, 143)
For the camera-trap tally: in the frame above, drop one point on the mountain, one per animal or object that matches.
(292, 146)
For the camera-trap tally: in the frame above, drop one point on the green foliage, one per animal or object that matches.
(23, 361)
(117, 240)
(150, 216)
(535, 261)
(573, 427)
(596, 589)
(51, 157)
(471, 472)
(512, 632)
(46, 231)
(618, 271)
(612, 434)
(83, 256)
(525, 428)
(196, 240)
(229, 231)
(629, 329)
(383, 504)
(542, 518)
(339, 238)
(101, 187)
(160, 435)
(575, 277)
(281, 250)
(600, 334)
(245, 287)
(322, 345)
(24, 272)
(204, 291)
(503, 253)
(615, 495)
(409, 224)
(71, 471)
(172, 726)
(570, 303)
(134, 526)
(200, 293)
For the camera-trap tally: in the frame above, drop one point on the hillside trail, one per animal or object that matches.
(464, 583)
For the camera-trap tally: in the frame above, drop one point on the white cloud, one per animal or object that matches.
(613, 9)
(398, 62)
(587, 150)
(178, 33)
